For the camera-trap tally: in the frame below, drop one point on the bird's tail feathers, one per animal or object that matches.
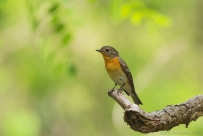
(136, 99)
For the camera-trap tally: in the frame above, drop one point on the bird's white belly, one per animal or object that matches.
(121, 79)
(118, 77)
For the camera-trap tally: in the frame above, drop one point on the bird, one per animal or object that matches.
(119, 72)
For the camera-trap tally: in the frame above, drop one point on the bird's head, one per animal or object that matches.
(108, 51)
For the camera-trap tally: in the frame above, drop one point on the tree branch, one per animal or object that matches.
(165, 119)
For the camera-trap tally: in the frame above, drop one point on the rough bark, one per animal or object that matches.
(165, 119)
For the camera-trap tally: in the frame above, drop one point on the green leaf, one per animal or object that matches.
(53, 8)
(59, 27)
(71, 69)
(66, 39)
(137, 18)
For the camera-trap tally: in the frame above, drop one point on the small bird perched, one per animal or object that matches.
(119, 71)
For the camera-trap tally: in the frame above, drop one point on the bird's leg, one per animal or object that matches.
(121, 87)
(114, 86)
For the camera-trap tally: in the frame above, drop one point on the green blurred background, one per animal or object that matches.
(53, 82)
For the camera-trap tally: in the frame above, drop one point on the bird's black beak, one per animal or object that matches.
(99, 50)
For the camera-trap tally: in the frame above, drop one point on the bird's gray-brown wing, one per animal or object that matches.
(129, 76)
(128, 73)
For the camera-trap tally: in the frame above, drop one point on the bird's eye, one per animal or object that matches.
(107, 50)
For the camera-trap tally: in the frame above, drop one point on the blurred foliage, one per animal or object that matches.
(53, 82)
(137, 12)
(51, 21)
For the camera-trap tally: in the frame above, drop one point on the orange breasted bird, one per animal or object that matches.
(119, 71)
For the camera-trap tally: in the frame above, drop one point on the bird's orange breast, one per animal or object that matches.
(112, 64)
